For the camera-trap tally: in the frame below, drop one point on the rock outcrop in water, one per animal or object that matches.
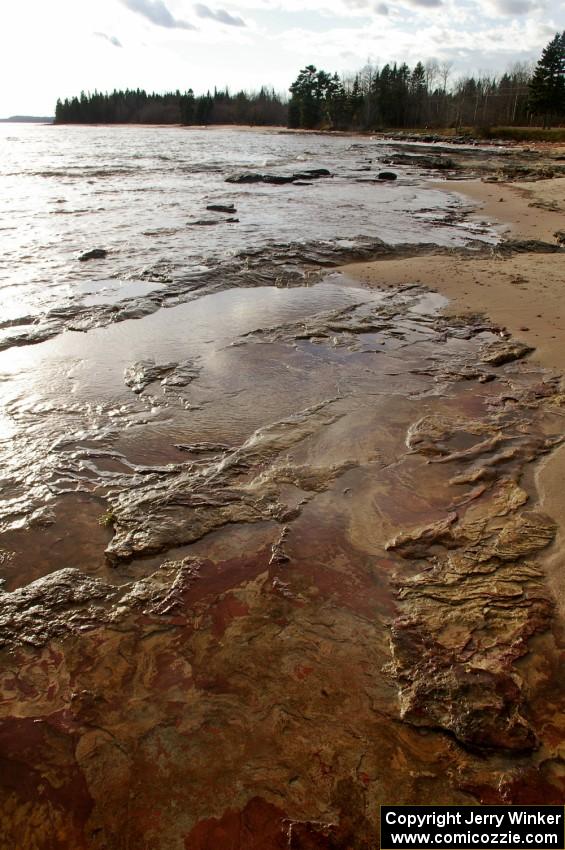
(284, 264)
(146, 372)
(195, 499)
(224, 208)
(93, 254)
(280, 179)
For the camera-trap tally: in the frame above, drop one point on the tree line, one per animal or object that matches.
(264, 107)
(394, 96)
(424, 96)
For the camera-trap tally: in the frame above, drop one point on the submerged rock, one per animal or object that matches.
(145, 372)
(387, 175)
(210, 222)
(245, 485)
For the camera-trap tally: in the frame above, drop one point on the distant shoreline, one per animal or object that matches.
(28, 119)
(509, 136)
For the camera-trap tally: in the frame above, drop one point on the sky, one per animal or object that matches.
(56, 48)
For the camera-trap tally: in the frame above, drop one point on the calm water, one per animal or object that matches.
(70, 426)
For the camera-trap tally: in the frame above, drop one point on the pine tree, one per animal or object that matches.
(547, 88)
(306, 96)
(187, 105)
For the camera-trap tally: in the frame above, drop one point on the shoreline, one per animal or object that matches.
(522, 293)
(285, 557)
(508, 290)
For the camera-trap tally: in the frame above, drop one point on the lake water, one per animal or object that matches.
(170, 291)
(139, 191)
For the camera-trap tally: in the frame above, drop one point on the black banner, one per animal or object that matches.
(461, 827)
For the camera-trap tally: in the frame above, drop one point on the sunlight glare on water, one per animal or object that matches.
(139, 192)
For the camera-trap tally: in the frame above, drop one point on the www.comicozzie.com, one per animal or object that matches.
(460, 827)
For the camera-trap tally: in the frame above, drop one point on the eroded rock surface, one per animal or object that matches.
(145, 372)
(344, 607)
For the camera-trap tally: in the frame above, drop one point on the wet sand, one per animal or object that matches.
(523, 292)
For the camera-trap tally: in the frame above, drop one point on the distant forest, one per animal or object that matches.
(262, 108)
(394, 96)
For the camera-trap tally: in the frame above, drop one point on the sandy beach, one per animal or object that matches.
(523, 292)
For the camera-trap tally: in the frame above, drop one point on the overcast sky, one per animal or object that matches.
(52, 48)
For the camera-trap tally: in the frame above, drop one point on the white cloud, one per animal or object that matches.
(219, 15)
(160, 51)
(157, 13)
(111, 38)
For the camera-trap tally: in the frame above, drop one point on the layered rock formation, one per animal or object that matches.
(346, 609)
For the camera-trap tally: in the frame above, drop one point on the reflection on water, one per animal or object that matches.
(73, 425)
(138, 192)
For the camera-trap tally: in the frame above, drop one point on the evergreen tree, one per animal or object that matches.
(547, 87)
(337, 104)
(187, 105)
(356, 101)
(306, 92)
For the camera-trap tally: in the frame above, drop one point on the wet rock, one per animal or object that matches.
(278, 553)
(465, 617)
(276, 179)
(190, 501)
(203, 448)
(477, 706)
(560, 237)
(505, 351)
(145, 372)
(387, 175)
(312, 174)
(438, 163)
(226, 697)
(289, 264)
(51, 607)
(210, 222)
(523, 535)
(279, 179)
(416, 542)
(347, 323)
(93, 254)
(527, 246)
(223, 208)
